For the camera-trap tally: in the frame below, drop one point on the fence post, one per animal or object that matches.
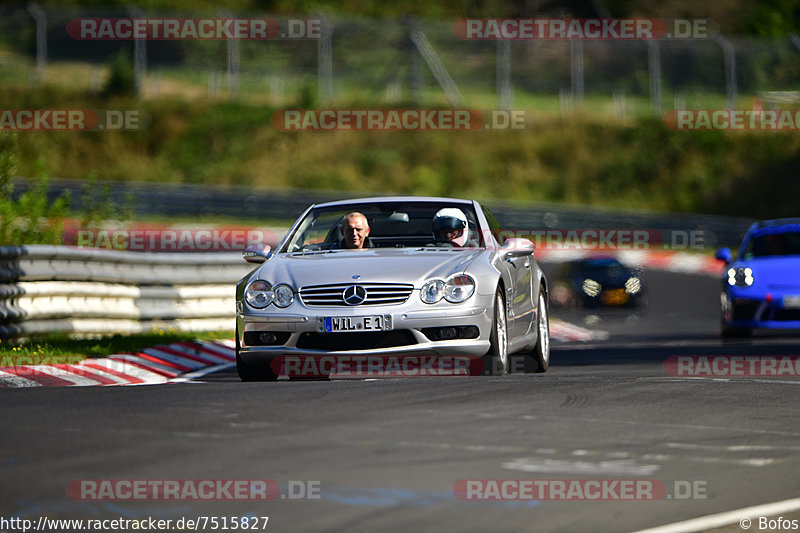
(654, 64)
(729, 56)
(504, 93)
(325, 62)
(435, 64)
(40, 17)
(233, 58)
(576, 69)
(414, 67)
(139, 56)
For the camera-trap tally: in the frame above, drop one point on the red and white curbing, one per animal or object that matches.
(174, 362)
(158, 364)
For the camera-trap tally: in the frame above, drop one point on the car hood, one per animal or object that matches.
(372, 266)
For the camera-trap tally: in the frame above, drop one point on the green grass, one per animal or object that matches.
(589, 156)
(61, 348)
(579, 158)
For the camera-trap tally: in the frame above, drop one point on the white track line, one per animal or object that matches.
(202, 372)
(727, 518)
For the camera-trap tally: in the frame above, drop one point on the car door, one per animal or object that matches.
(521, 300)
(518, 275)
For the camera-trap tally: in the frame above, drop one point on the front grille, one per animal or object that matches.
(745, 309)
(356, 341)
(377, 294)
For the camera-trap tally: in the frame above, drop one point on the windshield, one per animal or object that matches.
(771, 243)
(391, 225)
(603, 267)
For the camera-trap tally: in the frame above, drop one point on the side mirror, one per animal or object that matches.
(724, 254)
(257, 253)
(518, 247)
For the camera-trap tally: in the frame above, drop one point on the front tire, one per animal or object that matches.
(495, 362)
(537, 359)
(251, 373)
(726, 310)
(542, 349)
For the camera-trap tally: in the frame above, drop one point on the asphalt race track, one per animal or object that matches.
(385, 455)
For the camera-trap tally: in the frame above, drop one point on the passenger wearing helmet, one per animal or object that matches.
(450, 227)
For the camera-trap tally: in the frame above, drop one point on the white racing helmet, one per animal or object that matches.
(450, 218)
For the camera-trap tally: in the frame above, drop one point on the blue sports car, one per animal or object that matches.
(761, 288)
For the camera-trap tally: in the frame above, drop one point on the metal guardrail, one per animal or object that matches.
(45, 289)
(288, 204)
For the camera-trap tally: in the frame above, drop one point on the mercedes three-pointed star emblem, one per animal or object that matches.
(354, 295)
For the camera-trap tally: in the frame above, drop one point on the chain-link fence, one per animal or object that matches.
(402, 61)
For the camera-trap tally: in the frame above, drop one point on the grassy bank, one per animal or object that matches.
(580, 159)
(71, 350)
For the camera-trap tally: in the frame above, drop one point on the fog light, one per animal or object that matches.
(267, 338)
(447, 334)
(470, 332)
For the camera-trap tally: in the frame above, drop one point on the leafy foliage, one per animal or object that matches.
(32, 218)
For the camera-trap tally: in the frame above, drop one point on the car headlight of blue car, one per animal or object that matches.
(741, 277)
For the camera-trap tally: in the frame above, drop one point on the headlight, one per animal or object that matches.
(284, 295)
(591, 287)
(432, 291)
(633, 285)
(459, 288)
(259, 294)
(743, 277)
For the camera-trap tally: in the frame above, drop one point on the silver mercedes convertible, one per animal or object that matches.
(394, 278)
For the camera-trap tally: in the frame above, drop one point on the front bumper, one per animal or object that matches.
(411, 333)
(611, 298)
(759, 311)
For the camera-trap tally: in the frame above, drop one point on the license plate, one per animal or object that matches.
(350, 324)
(615, 297)
(791, 302)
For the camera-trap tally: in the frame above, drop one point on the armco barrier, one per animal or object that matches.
(46, 289)
(171, 200)
(62, 289)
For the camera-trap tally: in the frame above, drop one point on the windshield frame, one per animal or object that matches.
(380, 215)
(759, 238)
